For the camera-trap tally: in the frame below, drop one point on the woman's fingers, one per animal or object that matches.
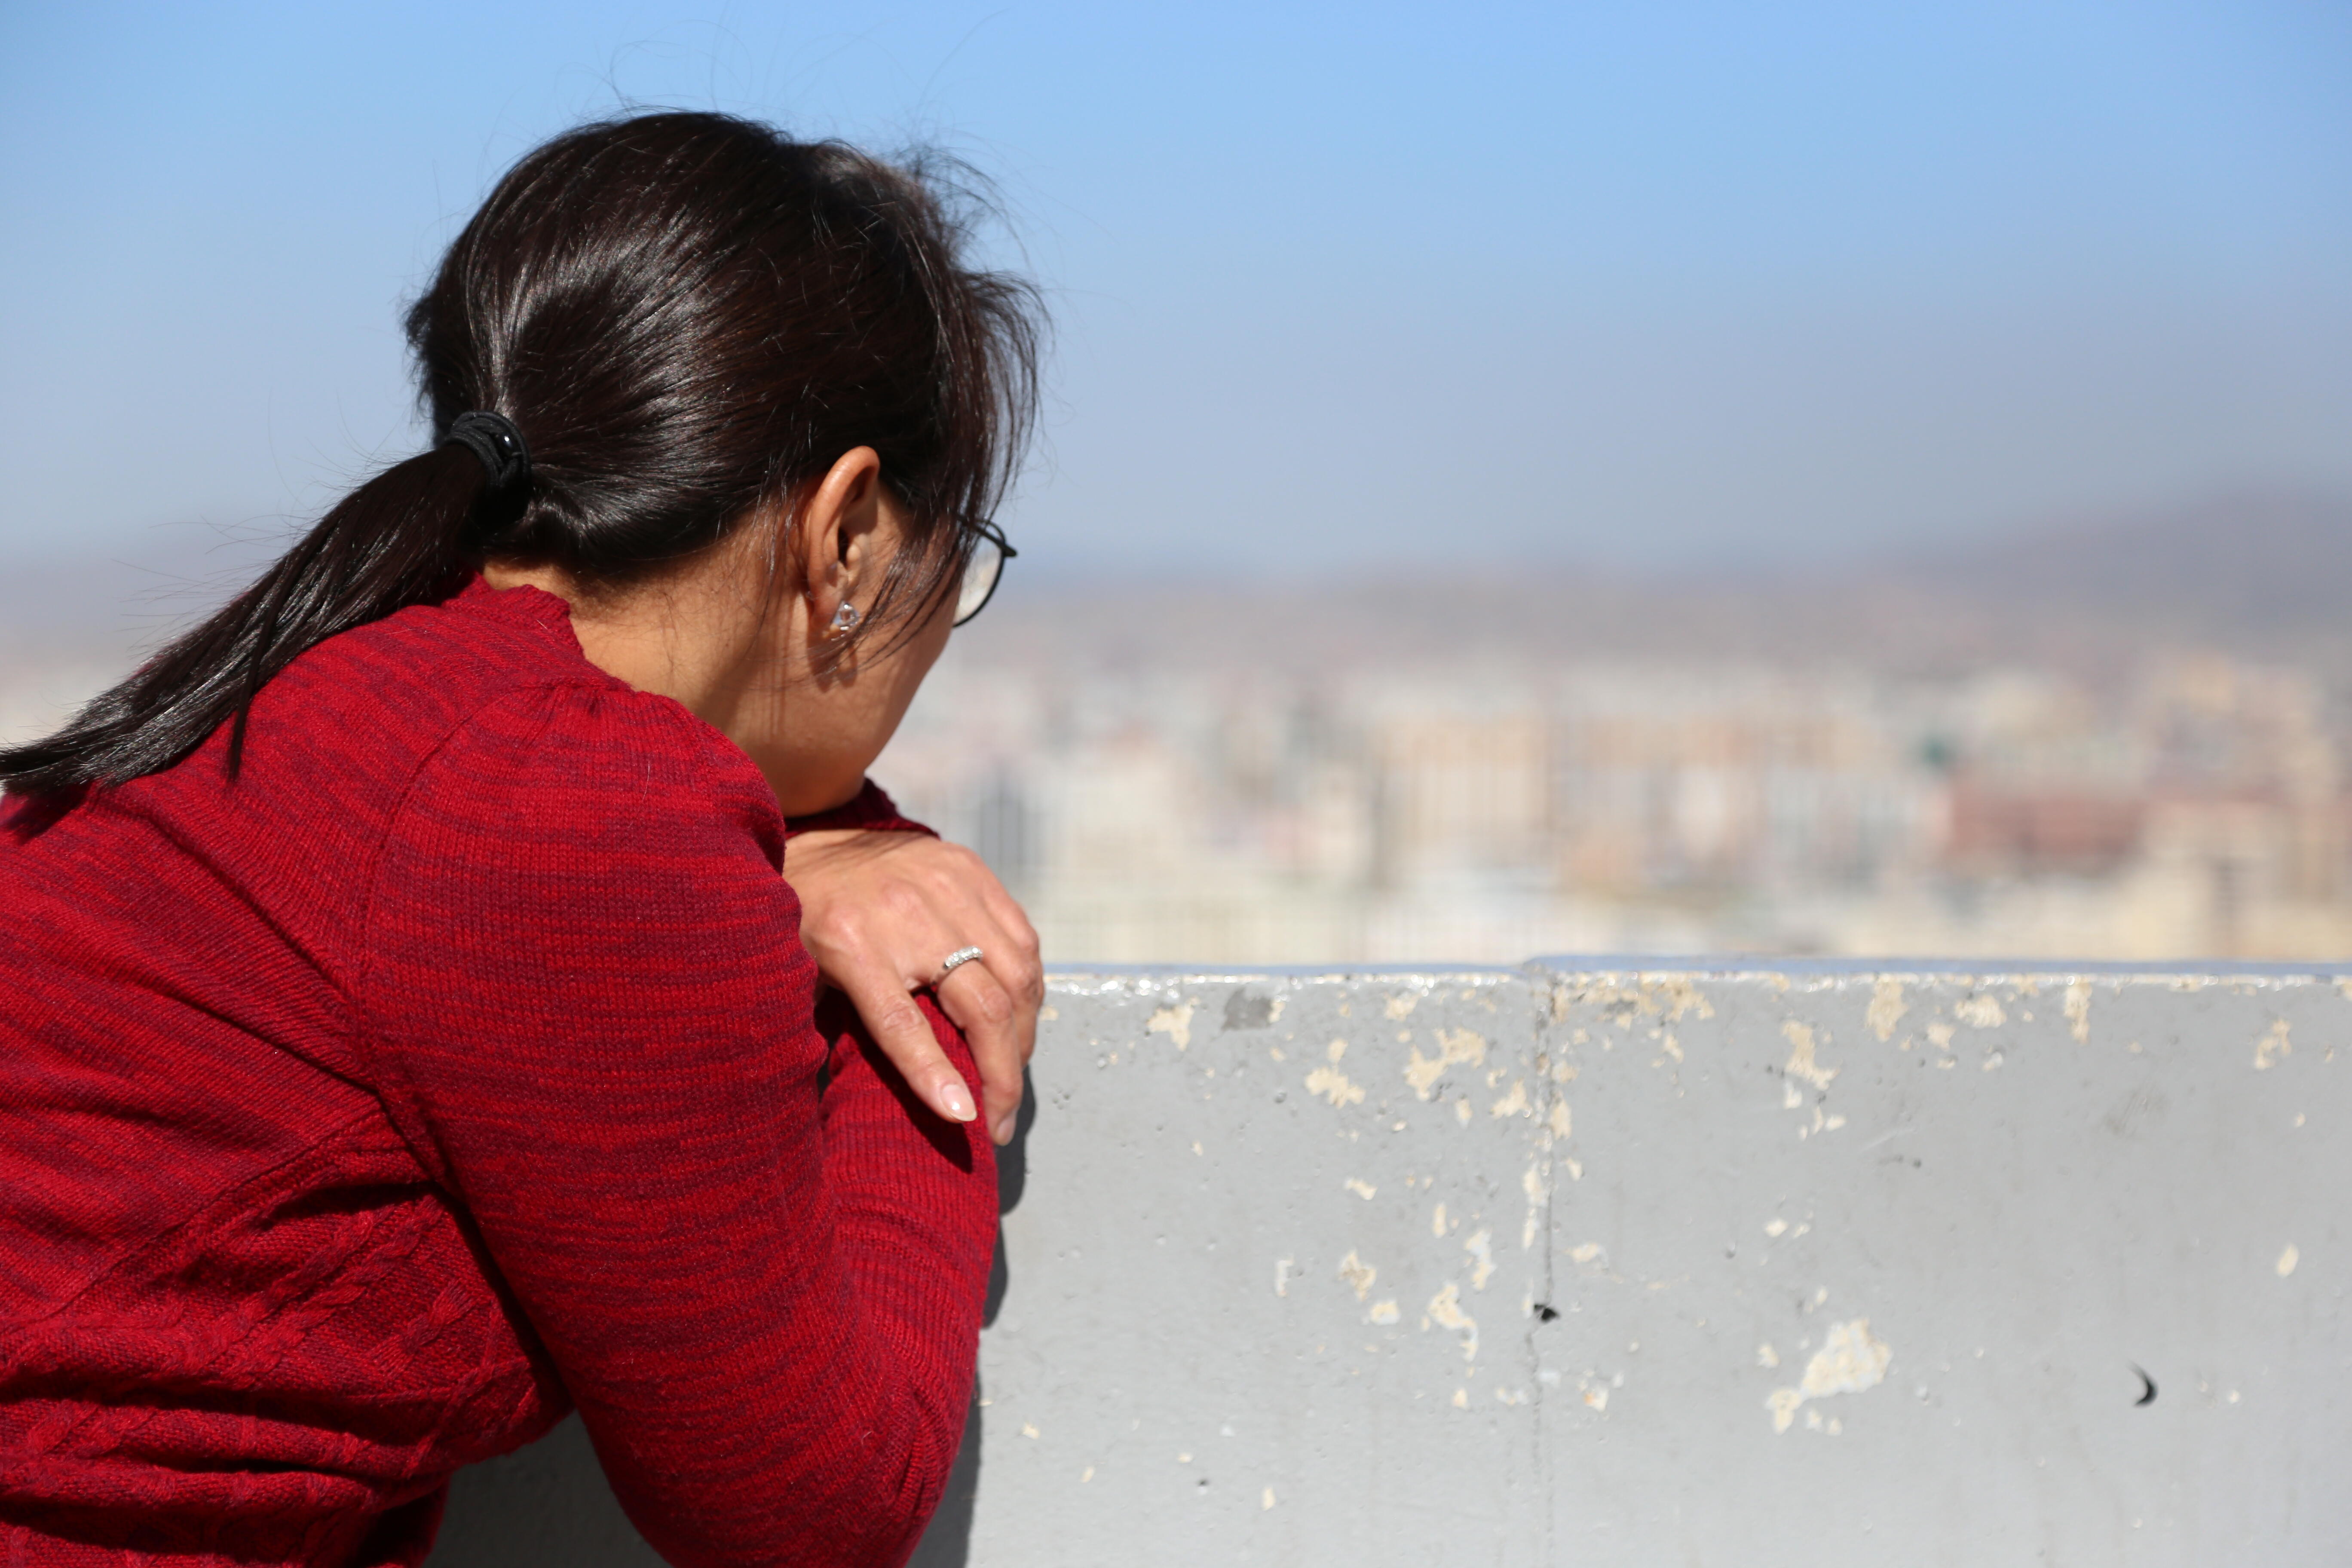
(1016, 962)
(899, 1026)
(976, 1001)
(999, 1018)
(994, 999)
(880, 910)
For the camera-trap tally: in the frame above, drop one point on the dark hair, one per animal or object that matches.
(687, 316)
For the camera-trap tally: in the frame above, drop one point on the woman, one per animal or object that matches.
(409, 1035)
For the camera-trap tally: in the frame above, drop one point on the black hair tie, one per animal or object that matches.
(493, 438)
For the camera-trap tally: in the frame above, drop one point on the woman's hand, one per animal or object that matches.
(879, 910)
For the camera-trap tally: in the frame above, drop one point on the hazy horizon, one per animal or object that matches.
(2259, 573)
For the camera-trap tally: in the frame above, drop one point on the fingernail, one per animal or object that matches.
(956, 1100)
(1003, 1131)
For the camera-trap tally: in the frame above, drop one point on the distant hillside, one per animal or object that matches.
(2263, 572)
(2267, 576)
(2270, 576)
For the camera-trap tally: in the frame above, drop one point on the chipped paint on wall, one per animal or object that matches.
(2272, 1044)
(1982, 1011)
(1453, 1046)
(1362, 1189)
(1401, 1005)
(1384, 1313)
(1516, 1102)
(1175, 1021)
(1622, 998)
(1356, 1274)
(1481, 1249)
(2078, 1011)
(1852, 1359)
(1446, 1312)
(1333, 1085)
(1681, 994)
(1801, 1060)
(2288, 1259)
(1886, 1008)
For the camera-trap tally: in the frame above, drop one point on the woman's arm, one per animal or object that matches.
(590, 1017)
(883, 901)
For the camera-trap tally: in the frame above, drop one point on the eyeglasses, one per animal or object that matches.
(983, 569)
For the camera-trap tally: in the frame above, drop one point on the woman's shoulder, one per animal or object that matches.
(487, 698)
(483, 656)
(520, 726)
(597, 757)
(437, 660)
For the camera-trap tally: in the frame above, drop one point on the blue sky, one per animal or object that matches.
(1667, 284)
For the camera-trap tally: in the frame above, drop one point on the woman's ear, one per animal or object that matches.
(837, 540)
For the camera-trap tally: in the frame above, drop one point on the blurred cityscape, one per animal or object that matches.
(1479, 813)
(2123, 743)
(2020, 754)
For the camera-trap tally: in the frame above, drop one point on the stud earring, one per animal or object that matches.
(847, 618)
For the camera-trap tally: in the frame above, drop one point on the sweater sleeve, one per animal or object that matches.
(756, 1260)
(870, 809)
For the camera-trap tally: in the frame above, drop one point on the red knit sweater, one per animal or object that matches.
(457, 1065)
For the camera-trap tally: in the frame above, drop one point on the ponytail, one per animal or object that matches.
(402, 538)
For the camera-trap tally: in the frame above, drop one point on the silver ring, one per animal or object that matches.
(957, 960)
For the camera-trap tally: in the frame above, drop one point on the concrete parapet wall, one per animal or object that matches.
(1707, 1265)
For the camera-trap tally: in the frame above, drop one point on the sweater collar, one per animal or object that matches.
(525, 606)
